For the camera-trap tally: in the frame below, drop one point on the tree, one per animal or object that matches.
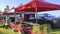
(59, 16)
(0, 10)
(7, 7)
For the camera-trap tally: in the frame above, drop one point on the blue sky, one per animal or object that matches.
(16, 3)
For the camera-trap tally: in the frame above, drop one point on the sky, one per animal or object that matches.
(16, 3)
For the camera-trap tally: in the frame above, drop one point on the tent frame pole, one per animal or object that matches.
(6, 20)
(15, 18)
(36, 12)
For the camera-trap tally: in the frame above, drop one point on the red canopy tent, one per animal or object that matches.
(37, 6)
(9, 12)
(41, 6)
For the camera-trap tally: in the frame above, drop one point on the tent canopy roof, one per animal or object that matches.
(41, 5)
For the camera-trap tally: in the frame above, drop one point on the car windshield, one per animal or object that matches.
(45, 15)
(48, 15)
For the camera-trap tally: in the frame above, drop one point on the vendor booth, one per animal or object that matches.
(35, 6)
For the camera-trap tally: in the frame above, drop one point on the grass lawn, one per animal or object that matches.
(10, 31)
(55, 31)
(7, 31)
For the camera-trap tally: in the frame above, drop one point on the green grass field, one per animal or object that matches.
(55, 31)
(10, 31)
(7, 31)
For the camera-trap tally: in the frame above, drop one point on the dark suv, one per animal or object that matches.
(47, 18)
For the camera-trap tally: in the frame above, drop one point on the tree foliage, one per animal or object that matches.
(7, 7)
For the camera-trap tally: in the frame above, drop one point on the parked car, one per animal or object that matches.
(47, 19)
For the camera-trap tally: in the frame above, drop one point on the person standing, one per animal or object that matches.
(1, 19)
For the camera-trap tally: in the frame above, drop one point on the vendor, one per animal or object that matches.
(1, 19)
(19, 19)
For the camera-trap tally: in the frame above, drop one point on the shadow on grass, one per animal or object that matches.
(3, 33)
(1, 26)
(54, 30)
(5, 27)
